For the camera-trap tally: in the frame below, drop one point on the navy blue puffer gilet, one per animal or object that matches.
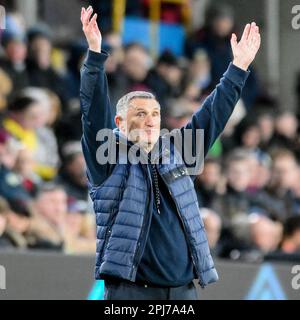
(123, 214)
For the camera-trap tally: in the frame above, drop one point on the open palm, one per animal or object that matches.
(90, 29)
(246, 49)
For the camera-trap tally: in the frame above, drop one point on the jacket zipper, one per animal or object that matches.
(188, 241)
(140, 249)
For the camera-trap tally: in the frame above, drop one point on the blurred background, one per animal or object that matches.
(249, 190)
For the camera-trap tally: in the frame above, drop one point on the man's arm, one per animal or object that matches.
(94, 99)
(218, 106)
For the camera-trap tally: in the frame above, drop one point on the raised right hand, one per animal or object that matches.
(90, 29)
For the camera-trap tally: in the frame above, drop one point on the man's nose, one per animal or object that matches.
(149, 121)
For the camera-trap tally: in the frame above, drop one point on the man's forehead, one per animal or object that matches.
(144, 103)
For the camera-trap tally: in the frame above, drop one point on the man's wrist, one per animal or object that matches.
(240, 64)
(95, 49)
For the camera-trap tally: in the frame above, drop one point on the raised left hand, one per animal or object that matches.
(246, 49)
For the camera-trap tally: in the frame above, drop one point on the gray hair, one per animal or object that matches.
(123, 103)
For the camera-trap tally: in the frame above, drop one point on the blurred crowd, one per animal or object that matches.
(249, 190)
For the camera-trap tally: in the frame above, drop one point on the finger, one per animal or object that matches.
(233, 40)
(87, 15)
(81, 14)
(252, 32)
(93, 21)
(246, 32)
(257, 41)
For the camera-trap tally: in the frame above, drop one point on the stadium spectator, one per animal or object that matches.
(72, 174)
(112, 43)
(13, 63)
(11, 187)
(208, 183)
(24, 169)
(291, 236)
(247, 134)
(266, 126)
(214, 38)
(284, 176)
(265, 234)
(286, 133)
(166, 79)
(5, 241)
(199, 76)
(55, 228)
(80, 237)
(40, 70)
(50, 207)
(213, 225)
(26, 121)
(136, 65)
(176, 113)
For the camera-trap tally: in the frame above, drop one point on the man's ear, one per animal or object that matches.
(120, 123)
(117, 121)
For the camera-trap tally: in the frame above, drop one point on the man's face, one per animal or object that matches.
(76, 170)
(52, 205)
(16, 51)
(211, 175)
(285, 171)
(239, 175)
(142, 123)
(136, 64)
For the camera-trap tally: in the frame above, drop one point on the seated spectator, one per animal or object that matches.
(207, 183)
(247, 134)
(166, 78)
(24, 168)
(26, 121)
(11, 187)
(18, 224)
(56, 228)
(40, 70)
(112, 43)
(177, 113)
(13, 63)
(266, 125)
(284, 177)
(286, 136)
(213, 225)
(291, 236)
(80, 236)
(50, 209)
(199, 74)
(72, 79)
(265, 234)
(235, 202)
(5, 241)
(214, 38)
(260, 171)
(135, 67)
(72, 174)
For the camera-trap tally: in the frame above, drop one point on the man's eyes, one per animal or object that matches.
(143, 114)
